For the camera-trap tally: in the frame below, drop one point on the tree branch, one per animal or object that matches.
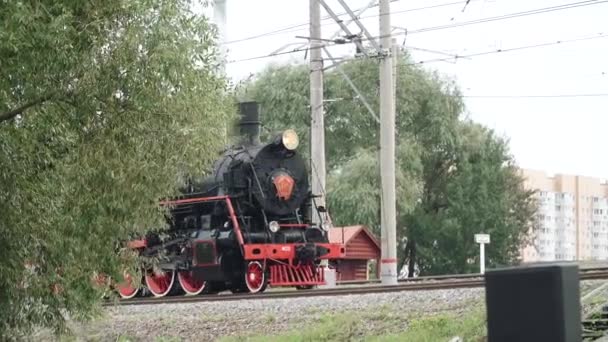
(12, 113)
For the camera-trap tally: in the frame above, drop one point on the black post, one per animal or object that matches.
(534, 303)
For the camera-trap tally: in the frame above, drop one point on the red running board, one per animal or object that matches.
(286, 275)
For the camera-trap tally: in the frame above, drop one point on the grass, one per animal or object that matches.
(382, 325)
(158, 339)
(471, 327)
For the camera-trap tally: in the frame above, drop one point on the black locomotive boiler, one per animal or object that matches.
(247, 225)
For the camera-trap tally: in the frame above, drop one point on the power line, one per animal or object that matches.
(456, 57)
(511, 15)
(447, 59)
(532, 96)
(277, 54)
(496, 18)
(501, 17)
(439, 27)
(478, 21)
(465, 6)
(294, 28)
(514, 97)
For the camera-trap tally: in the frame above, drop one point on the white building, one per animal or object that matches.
(573, 218)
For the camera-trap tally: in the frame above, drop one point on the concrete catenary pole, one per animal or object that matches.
(220, 20)
(317, 128)
(387, 151)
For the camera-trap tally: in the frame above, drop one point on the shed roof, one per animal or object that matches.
(335, 234)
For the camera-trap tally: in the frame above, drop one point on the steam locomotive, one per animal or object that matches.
(249, 224)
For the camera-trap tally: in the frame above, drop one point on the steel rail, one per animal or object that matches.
(340, 291)
(414, 284)
(446, 276)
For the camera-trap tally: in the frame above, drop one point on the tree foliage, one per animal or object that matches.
(103, 105)
(478, 190)
(427, 105)
(354, 189)
(454, 178)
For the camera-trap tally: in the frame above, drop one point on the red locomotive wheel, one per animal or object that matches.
(255, 277)
(126, 290)
(161, 283)
(190, 285)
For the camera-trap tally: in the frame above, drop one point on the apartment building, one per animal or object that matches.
(572, 215)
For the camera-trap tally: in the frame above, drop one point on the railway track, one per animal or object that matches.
(347, 288)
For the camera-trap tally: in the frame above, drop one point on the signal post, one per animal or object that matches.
(482, 240)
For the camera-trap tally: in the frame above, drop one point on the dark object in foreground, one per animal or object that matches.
(534, 303)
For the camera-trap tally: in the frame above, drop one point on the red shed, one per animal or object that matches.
(361, 247)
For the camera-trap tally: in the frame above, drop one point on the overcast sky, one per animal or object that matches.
(558, 135)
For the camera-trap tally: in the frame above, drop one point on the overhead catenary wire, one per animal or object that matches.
(446, 59)
(499, 18)
(509, 16)
(438, 27)
(515, 97)
(455, 57)
(296, 27)
(532, 96)
(465, 5)
(524, 47)
(442, 27)
(278, 54)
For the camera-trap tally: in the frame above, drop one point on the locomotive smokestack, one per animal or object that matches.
(249, 124)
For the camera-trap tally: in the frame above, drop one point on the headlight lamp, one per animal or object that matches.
(290, 139)
(274, 226)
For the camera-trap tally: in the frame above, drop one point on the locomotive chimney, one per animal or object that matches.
(249, 124)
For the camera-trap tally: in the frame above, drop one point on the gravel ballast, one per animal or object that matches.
(208, 321)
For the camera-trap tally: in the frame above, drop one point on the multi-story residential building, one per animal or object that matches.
(572, 217)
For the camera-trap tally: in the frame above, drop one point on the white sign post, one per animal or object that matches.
(482, 239)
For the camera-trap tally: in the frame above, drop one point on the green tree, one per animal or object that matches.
(443, 195)
(104, 105)
(427, 105)
(354, 189)
(479, 190)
